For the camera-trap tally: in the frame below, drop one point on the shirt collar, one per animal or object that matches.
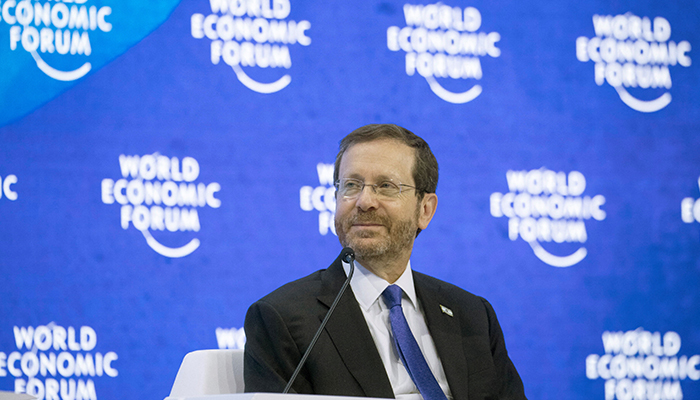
(368, 287)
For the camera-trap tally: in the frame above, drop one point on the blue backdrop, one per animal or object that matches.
(165, 164)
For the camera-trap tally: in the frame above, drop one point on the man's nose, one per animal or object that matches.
(367, 199)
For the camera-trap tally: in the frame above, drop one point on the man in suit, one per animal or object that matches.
(397, 333)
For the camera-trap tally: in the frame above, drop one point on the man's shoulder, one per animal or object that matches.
(427, 282)
(298, 290)
(303, 297)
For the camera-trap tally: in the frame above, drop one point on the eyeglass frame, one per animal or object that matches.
(374, 187)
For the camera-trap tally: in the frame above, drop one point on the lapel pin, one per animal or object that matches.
(446, 310)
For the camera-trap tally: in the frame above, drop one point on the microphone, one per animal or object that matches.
(347, 255)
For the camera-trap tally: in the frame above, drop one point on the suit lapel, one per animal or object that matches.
(445, 331)
(350, 335)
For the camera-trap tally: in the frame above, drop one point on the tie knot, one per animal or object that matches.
(392, 296)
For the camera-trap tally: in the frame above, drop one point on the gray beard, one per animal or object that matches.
(400, 236)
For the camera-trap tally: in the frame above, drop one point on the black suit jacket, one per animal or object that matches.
(345, 361)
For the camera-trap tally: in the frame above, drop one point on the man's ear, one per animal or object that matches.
(426, 209)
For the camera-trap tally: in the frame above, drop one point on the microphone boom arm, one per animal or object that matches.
(347, 255)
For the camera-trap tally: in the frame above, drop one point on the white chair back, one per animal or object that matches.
(209, 372)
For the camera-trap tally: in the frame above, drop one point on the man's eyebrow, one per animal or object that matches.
(379, 178)
(354, 176)
(393, 178)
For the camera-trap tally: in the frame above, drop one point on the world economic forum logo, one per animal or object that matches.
(56, 33)
(54, 362)
(6, 188)
(321, 198)
(544, 206)
(443, 44)
(252, 34)
(642, 365)
(159, 193)
(690, 209)
(633, 55)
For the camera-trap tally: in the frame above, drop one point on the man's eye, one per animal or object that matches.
(351, 185)
(386, 185)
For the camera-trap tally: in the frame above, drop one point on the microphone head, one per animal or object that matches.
(347, 255)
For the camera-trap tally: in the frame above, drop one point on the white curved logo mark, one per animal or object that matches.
(641, 105)
(264, 44)
(264, 88)
(178, 252)
(558, 261)
(630, 51)
(545, 206)
(442, 41)
(454, 98)
(65, 76)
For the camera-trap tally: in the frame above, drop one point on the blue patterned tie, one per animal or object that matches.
(408, 349)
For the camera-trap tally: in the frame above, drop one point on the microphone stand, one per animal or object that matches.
(347, 255)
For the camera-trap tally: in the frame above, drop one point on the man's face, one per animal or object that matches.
(376, 227)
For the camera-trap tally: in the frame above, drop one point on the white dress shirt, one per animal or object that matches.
(368, 289)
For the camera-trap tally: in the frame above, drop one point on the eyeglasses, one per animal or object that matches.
(351, 188)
